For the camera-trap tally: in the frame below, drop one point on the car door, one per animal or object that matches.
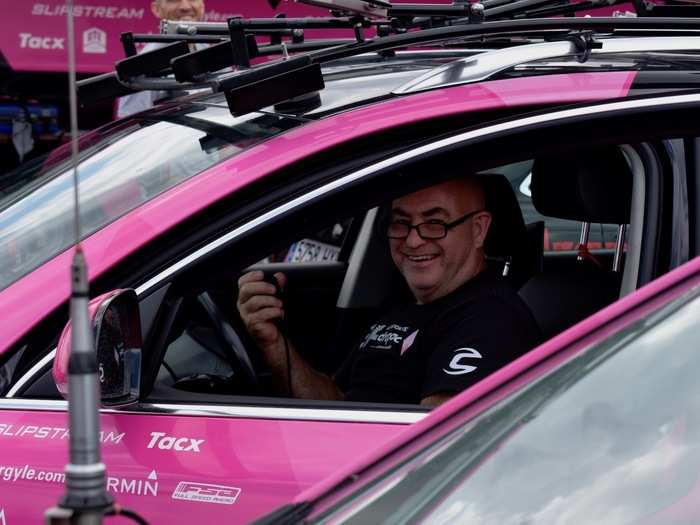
(215, 457)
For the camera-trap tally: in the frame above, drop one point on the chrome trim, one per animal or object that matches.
(248, 412)
(30, 373)
(619, 245)
(485, 65)
(33, 405)
(630, 273)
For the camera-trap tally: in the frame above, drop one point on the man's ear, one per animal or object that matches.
(480, 224)
(155, 9)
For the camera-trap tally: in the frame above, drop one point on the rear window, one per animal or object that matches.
(120, 167)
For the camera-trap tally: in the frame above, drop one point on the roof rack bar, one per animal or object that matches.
(513, 7)
(261, 72)
(266, 91)
(127, 40)
(262, 25)
(101, 87)
(213, 58)
(150, 62)
(169, 39)
(503, 27)
(238, 45)
(668, 10)
(407, 10)
(542, 11)
(564, 9)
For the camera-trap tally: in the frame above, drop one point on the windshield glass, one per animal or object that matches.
(612, 436)
(120, 167)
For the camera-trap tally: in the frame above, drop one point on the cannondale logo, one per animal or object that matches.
(457, 367)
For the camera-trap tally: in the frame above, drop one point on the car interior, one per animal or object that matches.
(329, 303)
(196, 349)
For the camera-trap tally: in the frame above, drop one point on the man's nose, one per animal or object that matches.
(413, 238)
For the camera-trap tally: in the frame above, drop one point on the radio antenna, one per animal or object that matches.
(86, 499)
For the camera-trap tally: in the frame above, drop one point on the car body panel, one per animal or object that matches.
(520, 372)
(48, 286)
(256, 464)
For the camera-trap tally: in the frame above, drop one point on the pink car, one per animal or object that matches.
(178, 201)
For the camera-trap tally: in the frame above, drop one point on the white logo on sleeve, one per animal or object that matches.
(457, 367)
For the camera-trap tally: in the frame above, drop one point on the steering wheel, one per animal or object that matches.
(228, 334)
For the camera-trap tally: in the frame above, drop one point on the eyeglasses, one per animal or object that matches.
(431, 230)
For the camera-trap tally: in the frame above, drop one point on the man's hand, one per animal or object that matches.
(260, 308)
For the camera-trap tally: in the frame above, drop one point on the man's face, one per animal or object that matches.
(434, 268)
(178, 9)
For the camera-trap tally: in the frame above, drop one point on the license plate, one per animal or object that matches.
(307, 250)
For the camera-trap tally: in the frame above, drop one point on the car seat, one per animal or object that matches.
(594, 186)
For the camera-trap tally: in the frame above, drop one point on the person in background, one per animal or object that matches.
(188, 10)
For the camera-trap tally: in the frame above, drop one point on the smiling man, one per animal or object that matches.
(464, 323)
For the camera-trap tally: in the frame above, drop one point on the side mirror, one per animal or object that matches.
(116, 327)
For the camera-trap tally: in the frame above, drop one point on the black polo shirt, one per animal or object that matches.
(441, 347)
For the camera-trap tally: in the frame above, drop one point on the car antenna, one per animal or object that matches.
(86, 499)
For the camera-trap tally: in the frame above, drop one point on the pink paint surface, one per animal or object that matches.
(268, 461)
(28, 300)
(520, 372)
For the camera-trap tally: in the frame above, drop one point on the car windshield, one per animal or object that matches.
(120, 168)
(611, 436)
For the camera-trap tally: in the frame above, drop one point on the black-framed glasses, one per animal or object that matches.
(430, 230)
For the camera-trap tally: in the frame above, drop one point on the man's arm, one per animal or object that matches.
(261, 312)
(436, 399)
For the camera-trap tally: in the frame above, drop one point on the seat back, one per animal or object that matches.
(509, 240)
(596, 187)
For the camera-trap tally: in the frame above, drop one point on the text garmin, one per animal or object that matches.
(165, 442)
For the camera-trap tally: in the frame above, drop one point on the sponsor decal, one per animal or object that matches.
(88, 11)
(25, 472)
(383, 337)
(94, 41)
(52, 433)
(206, 493)
(134, 486)
(119, 485)
(408, 342)
(28, 40)
(457, 367)
(165, 442)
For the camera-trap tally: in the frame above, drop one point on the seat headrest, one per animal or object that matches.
(593, 186)
(507, 231)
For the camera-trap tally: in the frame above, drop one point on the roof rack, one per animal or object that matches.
(248, 88)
